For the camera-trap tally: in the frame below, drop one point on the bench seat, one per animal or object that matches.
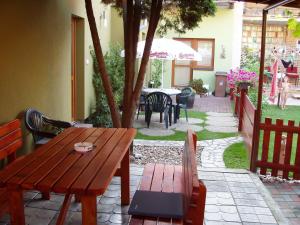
(177, 179)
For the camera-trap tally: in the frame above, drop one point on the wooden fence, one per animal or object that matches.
(245, 112)
(280, 149)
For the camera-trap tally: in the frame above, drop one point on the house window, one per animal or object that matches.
(182, 71)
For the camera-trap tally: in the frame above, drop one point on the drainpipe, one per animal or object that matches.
(257, 117)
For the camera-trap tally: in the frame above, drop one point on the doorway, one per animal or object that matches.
(77, 68)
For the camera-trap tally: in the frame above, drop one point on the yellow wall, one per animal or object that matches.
(226, 28)
(35, 57)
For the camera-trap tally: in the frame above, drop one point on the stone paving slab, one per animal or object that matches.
(221, 119)
(156, 132)
(185, 127)
(223, 124)
(218, 114)
(286, 195)
(222, 202)
(222, 129)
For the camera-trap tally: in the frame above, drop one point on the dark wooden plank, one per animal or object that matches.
(291, 168)
(283, 128)
(9, 127)
(125, 179)
(78, 167)
(89, 210)
(147, 177)
(297, 156)
(11, 148)
(288, 148)
(105, 173)
(249, 109)
(88, 175)
(16, 207)
(168, 181)
(277, 146)
(50, 164)
(48, 182)
(10, 137)
(19, 165)
(157, 177)
(167, 186)
(265, 146)
(64, 210)
(40, 160)
(178, 184)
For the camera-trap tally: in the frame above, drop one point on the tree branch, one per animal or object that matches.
(154, 18)
(100, 59)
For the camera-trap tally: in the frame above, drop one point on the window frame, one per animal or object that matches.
(193, 64)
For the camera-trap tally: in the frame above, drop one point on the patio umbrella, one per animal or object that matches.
(167, 49)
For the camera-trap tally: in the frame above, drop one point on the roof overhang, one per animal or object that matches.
(294, 4)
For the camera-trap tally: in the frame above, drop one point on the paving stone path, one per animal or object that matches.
(211, 155)
(212, 152)
(234, 197)
(287, 196)
(221, 122)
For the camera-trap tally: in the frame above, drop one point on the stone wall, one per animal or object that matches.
(277, 36)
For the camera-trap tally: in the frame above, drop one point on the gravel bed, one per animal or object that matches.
(144, 154)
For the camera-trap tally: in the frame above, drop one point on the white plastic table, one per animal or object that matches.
(168, 91)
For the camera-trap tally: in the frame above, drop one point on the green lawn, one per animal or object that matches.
(272, 111)
(290, 113)
(180, 136)
(236, 156)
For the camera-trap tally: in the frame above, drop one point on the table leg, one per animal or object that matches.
(89, 209)
(125, 182)
(16, 206)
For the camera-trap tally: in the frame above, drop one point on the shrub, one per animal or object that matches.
(197, 85)
(156, 73)
(252, 94)
(250, 60)
(115, 68)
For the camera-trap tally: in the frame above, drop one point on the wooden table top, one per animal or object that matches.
(57, 167)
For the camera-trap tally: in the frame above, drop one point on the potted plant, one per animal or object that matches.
(197, 85)
(241, 78)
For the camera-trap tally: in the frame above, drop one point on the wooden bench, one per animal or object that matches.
(10, 142)
(178, 179)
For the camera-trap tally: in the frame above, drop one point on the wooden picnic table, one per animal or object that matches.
(57, 167)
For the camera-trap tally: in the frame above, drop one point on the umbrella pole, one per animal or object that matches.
(162, 74)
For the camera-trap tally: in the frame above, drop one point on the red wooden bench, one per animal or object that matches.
(10, 142)
(178, 179)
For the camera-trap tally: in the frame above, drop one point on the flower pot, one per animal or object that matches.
(244, 85)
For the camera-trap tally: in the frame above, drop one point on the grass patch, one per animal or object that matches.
(274, 112)
(180, 136)
(290, 113)
(236, 156)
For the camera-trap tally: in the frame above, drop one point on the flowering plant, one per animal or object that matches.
(237, 76)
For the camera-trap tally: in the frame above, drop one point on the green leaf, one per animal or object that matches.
(292, 24)
(296, 32)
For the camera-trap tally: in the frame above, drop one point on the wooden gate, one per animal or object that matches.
(281, 156)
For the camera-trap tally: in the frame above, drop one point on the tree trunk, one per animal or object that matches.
(128, 114)
(131, 18)
(101, 65)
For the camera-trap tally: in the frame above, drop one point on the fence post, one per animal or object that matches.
(242, 102)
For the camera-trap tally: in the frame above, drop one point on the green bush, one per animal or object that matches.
(252, 94)
(197, 85)
(115, 68)
(156, 73)
(250, 60)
